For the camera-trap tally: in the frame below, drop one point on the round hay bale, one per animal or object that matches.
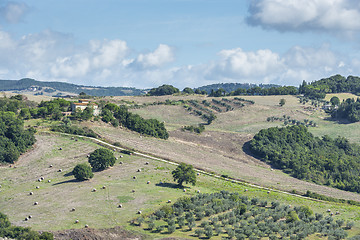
(26, 219)
(86, 226)
(139, 212)
(148, 182)
(272, 169)
(60, 170)
(51, 166)
(39, 180)
(121, 156)
(42, 178)
(73, 210)
(31, 193)
(184, 190)
(94, 190)
(331, 214)
(147, 163)
(60, 148)
(130, 154)
(160, 182)
(268, 192)
(0, 186)
(133, 190)
(246, 190)
(77, 221)
(36, 203)
(114, 150)
(169, 201)
(30, 216)
(328, 210)
(198, 191)
(139, 170)
(88, 155)
(116, 158)
(134, 177)
(120, 162)
(120, 206)
(76, 139)
(49, 181)
(37, 187)
(198, 174)
(103, 187)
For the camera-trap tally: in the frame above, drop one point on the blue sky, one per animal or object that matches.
(146, 43)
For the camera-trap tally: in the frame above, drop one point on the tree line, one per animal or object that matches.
(333, 162)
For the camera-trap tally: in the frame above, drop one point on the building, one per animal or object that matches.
(84, 103)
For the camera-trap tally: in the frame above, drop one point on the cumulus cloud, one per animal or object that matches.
(53, 56)
(159, 57)
(300, 15)
(13, 12)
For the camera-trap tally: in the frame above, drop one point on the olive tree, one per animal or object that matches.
(184, 173)
(101, 159)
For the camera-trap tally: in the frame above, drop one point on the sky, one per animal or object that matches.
(185, 43)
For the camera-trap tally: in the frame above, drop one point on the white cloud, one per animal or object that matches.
(13, 12)
(162, 55)
(108, 53)
(300, 15)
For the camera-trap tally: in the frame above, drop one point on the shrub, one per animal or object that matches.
(82, 172)
(101, 159)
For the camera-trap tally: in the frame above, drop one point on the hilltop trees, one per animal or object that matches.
(184, 173)
(163, 90)
(101, 159)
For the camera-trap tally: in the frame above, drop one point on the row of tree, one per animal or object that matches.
(348, 109)
(333, 162)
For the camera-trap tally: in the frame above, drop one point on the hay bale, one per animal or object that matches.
(160, 182)
(246, 190)
(72, 210)
(0, 186)
(49, 181)
(120, 162)
(337, 213)
(147, 163)
(130, 154)
(331, 214)
(26, 219)
(86, 226)
(36, 203)
(114, 150)
(42, 178)
(60, 170)
(121, 156)
(39, 180)
(268, 192)
(169, 201)
(103, 187)
(31, 193)
(116, 158)
(76, 139)
(134, 177)
(30, 216)
(93, 190)
(37, 187)
(148, 182)
(88, 155)
(77, 221)
(198, 174)
(198, 191)
(60, 148)
(328, 210)
(184, 190)
(139, 212)
(133, 190)
(120, 206)
(51, 166)
(139, 170)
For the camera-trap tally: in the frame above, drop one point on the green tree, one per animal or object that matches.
(282, 102)
(188, 90)
(335, 101)
(82, 172)
(101, 159)
(184, 173)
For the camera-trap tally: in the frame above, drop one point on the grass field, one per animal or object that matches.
(219, 149)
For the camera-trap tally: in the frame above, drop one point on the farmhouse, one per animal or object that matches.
(84, 103)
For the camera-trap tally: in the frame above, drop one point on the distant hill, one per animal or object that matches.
(39, 87)
(228, 87)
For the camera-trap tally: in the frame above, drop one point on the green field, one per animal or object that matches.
(217, 150)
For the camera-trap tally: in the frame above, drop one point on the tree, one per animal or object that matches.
(335, 101)
(282, 102)
(82, 172)
(101, 159)
(184, 173)
(188, 90)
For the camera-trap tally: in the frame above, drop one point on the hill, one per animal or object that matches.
(40, 87)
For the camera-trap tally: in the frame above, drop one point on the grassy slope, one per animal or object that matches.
(217, 149)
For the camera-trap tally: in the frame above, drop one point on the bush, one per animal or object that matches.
(101, 159)
(82, 172)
